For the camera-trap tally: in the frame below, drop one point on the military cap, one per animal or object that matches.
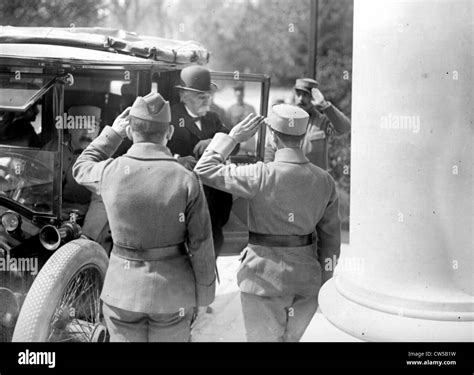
(196, 78)
(91, 114)
(151, 107)
(239, 86)
(306, 84)
(288, 119)
(85, 110)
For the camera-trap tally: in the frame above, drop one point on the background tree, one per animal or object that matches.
(57, 13)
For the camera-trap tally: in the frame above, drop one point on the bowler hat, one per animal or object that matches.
(306, 84)
(196, 78)
(151, 107)
(288, 119)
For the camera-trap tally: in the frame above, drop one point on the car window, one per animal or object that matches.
(110, 93)
(238, 95)
(18, 92)
(233, 101)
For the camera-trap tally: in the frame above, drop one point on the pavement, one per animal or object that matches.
(225, 322)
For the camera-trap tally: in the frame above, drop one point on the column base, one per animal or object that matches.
(368, 324)
(321, 330)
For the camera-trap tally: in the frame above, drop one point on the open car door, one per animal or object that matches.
(256, 88)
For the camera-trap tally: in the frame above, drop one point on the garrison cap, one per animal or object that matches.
(239, 86)
(151, 107)
(85, 110)
(306, 84)
(288, 119)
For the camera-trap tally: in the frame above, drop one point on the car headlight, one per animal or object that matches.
(11, 221)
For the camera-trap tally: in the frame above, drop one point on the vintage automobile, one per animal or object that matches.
(51, 275)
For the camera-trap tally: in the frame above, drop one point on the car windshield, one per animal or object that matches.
(26, 176)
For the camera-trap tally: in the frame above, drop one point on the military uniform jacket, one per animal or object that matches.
(289, 196)
(151, 202)
(321, 126)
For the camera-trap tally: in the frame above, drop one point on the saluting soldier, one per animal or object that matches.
(162, 261)
(293, 224)
(325, 120)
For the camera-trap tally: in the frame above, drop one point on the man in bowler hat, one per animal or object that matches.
(293, 224)
(162, 262)
(195, 125)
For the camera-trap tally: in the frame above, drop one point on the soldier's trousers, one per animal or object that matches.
(277, 319)
(129, 326)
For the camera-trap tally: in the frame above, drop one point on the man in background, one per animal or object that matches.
(239, 110)
(325, 120)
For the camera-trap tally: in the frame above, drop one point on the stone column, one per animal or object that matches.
(408, 272)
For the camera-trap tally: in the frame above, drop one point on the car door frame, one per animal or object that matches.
(236, 240)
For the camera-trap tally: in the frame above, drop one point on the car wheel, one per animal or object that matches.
(63, 304)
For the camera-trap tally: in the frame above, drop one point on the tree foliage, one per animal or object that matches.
(55, 13)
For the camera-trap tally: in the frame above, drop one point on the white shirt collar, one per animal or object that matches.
(197, 122)
(189, 112)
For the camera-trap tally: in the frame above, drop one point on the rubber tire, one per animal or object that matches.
(50, 284)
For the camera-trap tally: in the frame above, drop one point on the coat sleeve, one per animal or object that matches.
(90, 165)
(338, 120)
(200, 245)
(328, 231)
(243, 181)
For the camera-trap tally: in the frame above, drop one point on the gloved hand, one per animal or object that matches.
(318, 99)
(187, 161)
(200, 147)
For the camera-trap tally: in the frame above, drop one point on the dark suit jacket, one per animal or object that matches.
(187, 134)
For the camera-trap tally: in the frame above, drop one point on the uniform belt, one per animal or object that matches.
(153, 254)
(280, 240)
